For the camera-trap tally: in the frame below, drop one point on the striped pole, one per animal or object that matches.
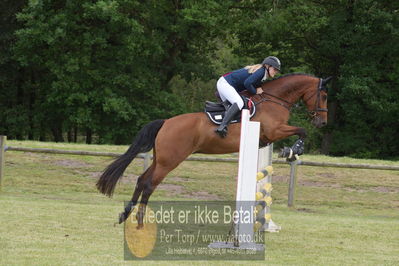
(264, 199)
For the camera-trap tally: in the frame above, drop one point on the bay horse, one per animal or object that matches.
(174, 139)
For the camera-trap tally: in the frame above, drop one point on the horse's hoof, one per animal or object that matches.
(122, 217)
(139, 226)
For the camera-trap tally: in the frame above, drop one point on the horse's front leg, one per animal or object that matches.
(292, 153)
(298, 148)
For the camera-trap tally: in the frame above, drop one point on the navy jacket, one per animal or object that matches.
(242, 80)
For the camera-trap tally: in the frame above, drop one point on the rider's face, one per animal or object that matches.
(272, 71)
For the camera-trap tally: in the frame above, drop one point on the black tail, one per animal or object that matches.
(144, 142)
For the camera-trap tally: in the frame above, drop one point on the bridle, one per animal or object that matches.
(288, 105)
(313, 113)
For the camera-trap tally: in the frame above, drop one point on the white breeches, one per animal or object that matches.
(227, 92)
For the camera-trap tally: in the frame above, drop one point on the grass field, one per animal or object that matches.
(51, 213)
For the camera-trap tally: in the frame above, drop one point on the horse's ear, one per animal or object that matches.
(325, 81)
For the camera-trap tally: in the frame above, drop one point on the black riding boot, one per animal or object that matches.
(230, 113)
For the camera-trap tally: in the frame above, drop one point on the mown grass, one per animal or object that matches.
(51, 213)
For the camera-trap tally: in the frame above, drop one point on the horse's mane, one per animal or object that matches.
(291, 74)
(282, 77)
(245, 93)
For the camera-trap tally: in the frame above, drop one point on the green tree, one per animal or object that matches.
(14, 100)
(104, 67)
(353, 40)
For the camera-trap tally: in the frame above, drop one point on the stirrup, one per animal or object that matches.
(222, 132)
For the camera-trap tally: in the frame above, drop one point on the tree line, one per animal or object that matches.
(99, 70)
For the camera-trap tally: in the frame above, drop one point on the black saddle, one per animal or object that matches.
(216, 110)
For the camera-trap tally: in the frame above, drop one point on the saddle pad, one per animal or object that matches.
(217, 116)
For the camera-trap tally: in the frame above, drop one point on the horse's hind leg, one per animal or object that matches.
(171, 148)
(149, 186)
(137, 192)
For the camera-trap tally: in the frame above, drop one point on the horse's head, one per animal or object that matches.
(316, 102)
(288, 89)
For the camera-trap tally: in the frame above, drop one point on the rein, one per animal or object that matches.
(284, 103)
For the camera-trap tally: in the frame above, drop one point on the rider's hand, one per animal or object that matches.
(259, 90)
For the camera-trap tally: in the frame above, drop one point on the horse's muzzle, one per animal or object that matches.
(319, 122)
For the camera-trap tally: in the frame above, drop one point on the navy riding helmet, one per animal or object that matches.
(272, 61)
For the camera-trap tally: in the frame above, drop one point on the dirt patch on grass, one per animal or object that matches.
(306, 210)
(286, 178)
(178, 179)
(64, 162)
(203, 195)
(317, 184)
(280, 179)
(386, 189)
(71, 163)
(40, 155)
(178, 190)
(94, 175)
(308, 183)
(127, 179)
(379, 189)
(171, 189)
(327, 175)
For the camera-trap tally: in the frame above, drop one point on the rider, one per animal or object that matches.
(248, 78)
